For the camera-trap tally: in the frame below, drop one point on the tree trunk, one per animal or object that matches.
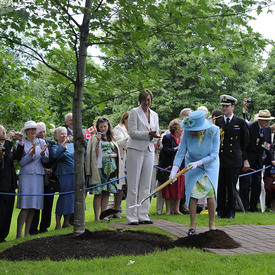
(79, 142)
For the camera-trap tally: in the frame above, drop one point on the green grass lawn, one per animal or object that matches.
(174, 261)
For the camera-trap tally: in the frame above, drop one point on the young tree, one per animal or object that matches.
(33, 28)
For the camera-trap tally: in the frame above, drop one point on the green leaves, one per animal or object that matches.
(266, 84)
(188, 48)
(17, 103)
(259, 9)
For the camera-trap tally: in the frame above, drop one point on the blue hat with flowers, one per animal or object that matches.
(196, 121)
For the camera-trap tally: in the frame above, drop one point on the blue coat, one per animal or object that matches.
(207, 152)
(64, 158)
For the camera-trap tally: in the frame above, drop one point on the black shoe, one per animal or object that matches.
(146, 222)
(43, 230)
(191, 232)
(133, 223)
(230, 215)
(184, 210)
(221, 214)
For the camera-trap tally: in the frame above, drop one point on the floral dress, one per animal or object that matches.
(203, 188)
(108, 170)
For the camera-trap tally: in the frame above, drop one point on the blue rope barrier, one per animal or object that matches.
(162, 169)
(111, 181)
(62, 193)
(247, 174)
(242, 175)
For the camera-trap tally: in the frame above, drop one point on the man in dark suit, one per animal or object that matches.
(234, 140)
(259, 147)
(8, 181)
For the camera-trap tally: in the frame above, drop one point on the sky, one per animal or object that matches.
(264, 24)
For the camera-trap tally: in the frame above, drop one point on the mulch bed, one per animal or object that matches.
(109, 243)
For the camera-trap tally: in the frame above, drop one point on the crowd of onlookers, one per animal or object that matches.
(132, 148)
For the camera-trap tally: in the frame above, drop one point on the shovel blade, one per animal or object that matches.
(108, 212)
(135, 205)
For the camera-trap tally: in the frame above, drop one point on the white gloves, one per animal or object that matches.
(174, 172)
(175, 168)
(195, 164)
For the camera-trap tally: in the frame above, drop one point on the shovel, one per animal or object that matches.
(183, 171)
(109, 212)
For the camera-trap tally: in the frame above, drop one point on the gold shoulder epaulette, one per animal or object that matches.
(215, 117)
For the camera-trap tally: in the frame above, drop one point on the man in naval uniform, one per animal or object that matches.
(258, 150)
(234, 140)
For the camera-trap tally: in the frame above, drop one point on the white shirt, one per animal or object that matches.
(225, 118)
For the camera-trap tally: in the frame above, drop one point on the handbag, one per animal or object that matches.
(51, 184)
(162, 176)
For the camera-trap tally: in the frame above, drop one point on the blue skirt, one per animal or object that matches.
(30, 184)
(65, 203)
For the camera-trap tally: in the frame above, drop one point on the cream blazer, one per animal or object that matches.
(121, 137)
(138, 129)
(92, 165)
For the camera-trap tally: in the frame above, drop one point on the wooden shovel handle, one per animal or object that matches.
(181, 172)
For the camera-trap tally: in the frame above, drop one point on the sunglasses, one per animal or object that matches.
(103, 119)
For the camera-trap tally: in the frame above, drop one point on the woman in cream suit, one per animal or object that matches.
(143, 129)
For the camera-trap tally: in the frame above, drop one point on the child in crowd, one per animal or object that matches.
(102, 165)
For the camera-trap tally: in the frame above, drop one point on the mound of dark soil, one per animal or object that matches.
(210, 239)
(110, 243)
(88, 245)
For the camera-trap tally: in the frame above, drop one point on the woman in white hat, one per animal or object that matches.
(30, 176)
(200, 148)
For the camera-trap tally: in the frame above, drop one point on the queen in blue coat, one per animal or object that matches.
(200, 149)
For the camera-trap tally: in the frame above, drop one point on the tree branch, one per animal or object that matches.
(102, 43)
(98, 6)
(67, 12)
(111, 98)
(37, 56)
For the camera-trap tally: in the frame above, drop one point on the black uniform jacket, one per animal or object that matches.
(166, 157)
(167, 153)
(7, 170)
(234, 141)
(255, 149)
